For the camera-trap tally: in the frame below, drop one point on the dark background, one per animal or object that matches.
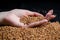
(39, 6)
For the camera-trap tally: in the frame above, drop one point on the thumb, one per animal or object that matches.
(38, 23)
(20, 24)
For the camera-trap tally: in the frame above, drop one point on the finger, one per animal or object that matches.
(37, 14)
(34, 14)
(52, 17)
(37, 23)
(49, 13)
(29, 13)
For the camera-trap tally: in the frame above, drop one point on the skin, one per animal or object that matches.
(13, 17)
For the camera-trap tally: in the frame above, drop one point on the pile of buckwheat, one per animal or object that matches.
(46, 31)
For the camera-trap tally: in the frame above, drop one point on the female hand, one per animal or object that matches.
(14, 16)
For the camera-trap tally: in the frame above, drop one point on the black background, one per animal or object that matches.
(33, 5)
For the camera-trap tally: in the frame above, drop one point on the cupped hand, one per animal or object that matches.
(14, 16)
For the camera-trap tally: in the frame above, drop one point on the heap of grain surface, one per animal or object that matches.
(49, 31)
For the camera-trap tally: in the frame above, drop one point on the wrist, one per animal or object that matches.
(2, 16)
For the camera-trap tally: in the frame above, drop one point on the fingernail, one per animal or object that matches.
(51, 10)
(45, 20)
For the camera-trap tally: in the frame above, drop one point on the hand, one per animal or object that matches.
(14, 18)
